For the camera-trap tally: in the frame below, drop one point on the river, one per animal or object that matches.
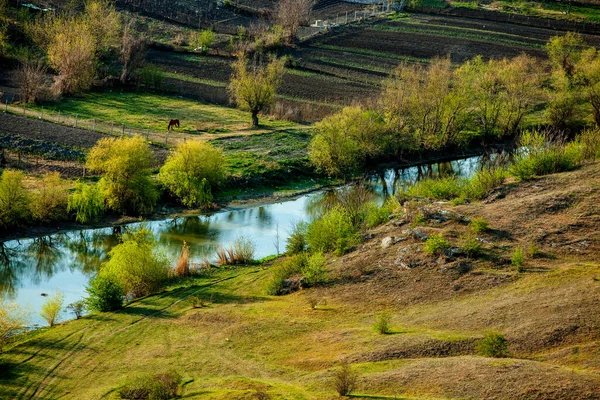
(31, 269)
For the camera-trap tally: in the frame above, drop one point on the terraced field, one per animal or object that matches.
(348, 66)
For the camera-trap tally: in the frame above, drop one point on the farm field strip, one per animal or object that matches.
(367, 68)
(486, 32)
(372, 53)
(188, 78)
(454, 34)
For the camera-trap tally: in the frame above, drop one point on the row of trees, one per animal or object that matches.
(189, 174)
(80, 45)
(438, 106)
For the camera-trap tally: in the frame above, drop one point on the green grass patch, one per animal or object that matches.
(142, 110)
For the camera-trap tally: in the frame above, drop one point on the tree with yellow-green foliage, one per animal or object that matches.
(72, 53)
(125, 164)
(191, 170)
(14, 199)
(49, 201)
(13, 320)
(343, 142)
(253, 86)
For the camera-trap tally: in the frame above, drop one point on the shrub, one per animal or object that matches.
(243, 248)
(442, 188)
(517, 259)
(296, 242)
(470, 245)
(125, 164)
(479, 225)
(483, 182)
(590, 144)
(152, 387)
(197, 302)
(87, 202)
(191, 170)
(183, 262)
(375, 215)
(151, 76)
(77, 308)
(493, 344)
(14, 199)
(52, 308)
(382, 323)
(203, 40)
(333, 232)
(135, 263)
(49, 202)
(13, 320)
(105, 293)
(283, 270)
(543, 157)
(436, 244)
(314, 270)
(345, 379)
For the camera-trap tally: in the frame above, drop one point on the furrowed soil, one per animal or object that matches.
(243, 343)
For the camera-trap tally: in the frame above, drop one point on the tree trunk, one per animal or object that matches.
(254, 119)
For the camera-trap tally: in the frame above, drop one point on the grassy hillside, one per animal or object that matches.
(244, 342)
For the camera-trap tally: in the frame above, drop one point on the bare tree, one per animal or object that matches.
(133, 52)
(31, 78)
(292, 14)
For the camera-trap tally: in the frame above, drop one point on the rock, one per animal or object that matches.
(291, 285)
(367, 236)
(399, 222)
(386, 242)
(454, 252)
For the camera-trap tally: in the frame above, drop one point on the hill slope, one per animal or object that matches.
(245, 342)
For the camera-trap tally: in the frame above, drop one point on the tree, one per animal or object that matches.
(87, 202)
(13, 320)
(588, 80)
(344, 141)
(291, 14)
(31, 79)
(191, 170)
(133, 52)
(104, 23)
(345, 379)
(72, 53)
(564, 52)
(423, 106)
(49, 201)
(136, 265)
(125, 163)
(104, 294)
(52, 308)
(253, 87)
(14, 199)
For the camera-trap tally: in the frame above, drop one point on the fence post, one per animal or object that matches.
(94, 124)
(122, 129)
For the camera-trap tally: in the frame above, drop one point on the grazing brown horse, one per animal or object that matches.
(172, 123)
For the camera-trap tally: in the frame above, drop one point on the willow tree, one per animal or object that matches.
(253, 86)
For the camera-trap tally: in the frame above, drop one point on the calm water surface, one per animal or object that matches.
(30, 268)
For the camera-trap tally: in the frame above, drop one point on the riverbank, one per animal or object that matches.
(243, 343)
(249, 197)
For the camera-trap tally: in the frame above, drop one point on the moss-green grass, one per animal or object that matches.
(143, 110)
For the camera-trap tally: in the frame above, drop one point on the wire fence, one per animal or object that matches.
(10, 104)
(349, 17)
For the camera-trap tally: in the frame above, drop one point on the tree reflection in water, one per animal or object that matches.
(197, 233)
(11, 267)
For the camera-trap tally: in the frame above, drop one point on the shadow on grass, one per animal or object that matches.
(502, 234)
(146, 312)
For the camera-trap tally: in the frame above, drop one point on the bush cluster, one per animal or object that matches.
(152, 387)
